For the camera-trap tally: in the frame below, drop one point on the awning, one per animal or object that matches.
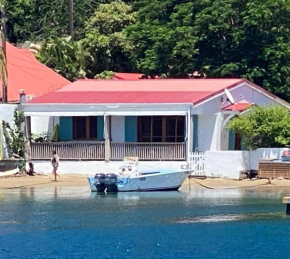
(109, 113)
(63, 114)
(146, 113)
(240, 106)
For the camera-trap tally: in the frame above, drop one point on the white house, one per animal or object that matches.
(159, 119)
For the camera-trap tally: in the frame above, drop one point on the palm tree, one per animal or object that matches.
(3, 72)
(3, 68)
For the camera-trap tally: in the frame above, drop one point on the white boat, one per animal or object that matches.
(129, 179)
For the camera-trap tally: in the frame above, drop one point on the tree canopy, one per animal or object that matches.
(263, 127)
(213, 38)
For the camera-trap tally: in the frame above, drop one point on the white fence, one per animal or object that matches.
(197, 162)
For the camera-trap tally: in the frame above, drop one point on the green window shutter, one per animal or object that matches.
(100, 128)
(66, 131)
(131, 129)
(232, 135)
(195, 132)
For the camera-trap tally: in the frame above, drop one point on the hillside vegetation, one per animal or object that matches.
(168, 38)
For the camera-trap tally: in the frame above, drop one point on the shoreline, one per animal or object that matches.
(79, 180)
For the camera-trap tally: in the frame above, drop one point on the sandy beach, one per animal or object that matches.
(73, 180)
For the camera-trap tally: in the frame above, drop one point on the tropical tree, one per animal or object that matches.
(37, 20)
(106, 39)
(105, 75)
(263, 127)
(3, 68)
(15, 139)
(3, 71)
(217, 38)
(68, 58)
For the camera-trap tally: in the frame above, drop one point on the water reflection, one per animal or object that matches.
(148, 225)
(196, 193)
(232, 217)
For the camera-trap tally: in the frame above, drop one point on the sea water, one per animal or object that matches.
(196, 223)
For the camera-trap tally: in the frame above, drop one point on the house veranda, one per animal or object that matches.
(155, 120)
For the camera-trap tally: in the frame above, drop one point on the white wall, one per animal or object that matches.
(208, 108)
(251, 95)
(226, 163)
(6, 114)
(261, 153)
(118, 128)
(217, 163)
(230, 163)
(93, 167)
(208, 126)
(210, 135)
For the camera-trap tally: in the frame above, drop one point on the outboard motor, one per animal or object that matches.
(111, 182)
(100, 182)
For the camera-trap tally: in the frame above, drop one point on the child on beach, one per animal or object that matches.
(31, 169)
(55, 164)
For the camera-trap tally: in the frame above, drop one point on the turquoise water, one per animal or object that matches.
(197, 223)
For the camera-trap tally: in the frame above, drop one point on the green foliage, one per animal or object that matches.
(263, 127)
(104, 46)
(36, 20)
(214, 38)
(68, 58)
(105, 75)
(106, 40)
(19, 27)
(15, 139)
(217, 38)
(40, 138)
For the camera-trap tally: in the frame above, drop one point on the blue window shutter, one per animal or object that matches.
(195, 132)
(100, 128)
(232, 140)
(131, 129)
(66, 130)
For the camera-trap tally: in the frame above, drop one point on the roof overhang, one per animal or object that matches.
(62, 110)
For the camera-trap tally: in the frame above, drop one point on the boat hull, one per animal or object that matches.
(161, 181)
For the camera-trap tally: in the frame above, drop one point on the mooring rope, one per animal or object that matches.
(228, 188)
(41, 183)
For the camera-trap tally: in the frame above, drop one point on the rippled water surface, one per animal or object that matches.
(197, 223)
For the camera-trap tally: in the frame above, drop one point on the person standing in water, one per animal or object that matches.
(55, 164)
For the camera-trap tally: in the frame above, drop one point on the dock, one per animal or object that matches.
(273, 169)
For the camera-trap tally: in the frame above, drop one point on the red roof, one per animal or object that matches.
(138, 91)
(240, 106)
(27, 73)
(127, 76)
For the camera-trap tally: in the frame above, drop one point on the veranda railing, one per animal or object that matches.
(69, 150)
(148, 151)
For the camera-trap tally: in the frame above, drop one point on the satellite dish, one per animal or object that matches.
(229, 96)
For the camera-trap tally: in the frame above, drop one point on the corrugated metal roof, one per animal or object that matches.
(27, 73)
(127, 76)
(240, 106)
(138, 91)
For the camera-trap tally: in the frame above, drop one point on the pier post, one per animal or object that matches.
(286, 200)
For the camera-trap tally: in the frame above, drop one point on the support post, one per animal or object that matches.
(286, 200)
(188, 136)
(27, 131)
(219, 129)
(107, 138)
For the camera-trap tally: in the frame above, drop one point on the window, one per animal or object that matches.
(161, 129)
(84, 127)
